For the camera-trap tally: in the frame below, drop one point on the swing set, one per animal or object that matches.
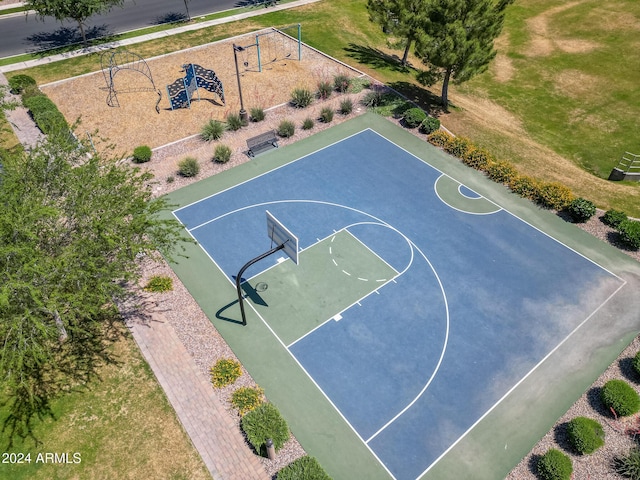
(271, 46)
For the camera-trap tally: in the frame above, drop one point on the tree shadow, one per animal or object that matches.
(376, 58)
(65, 36)
(424, 98)
(170, 17)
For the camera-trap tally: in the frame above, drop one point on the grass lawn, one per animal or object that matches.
(122, 426)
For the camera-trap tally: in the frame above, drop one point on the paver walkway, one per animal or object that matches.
(213, 432)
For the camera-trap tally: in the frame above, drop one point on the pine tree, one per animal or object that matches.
(456, 39)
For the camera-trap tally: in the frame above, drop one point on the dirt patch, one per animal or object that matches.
(575, 84)
(135, 122)
(543, 41)
(489, 113)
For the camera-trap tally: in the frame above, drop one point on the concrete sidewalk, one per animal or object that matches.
(152, 36)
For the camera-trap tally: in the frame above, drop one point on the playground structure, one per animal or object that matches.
(270, 47)
(112, 62)
(182, 90)
(628, 168)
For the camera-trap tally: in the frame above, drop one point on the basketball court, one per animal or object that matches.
(409, 318)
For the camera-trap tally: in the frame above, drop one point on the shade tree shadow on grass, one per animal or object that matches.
(421, 96)
(376, 58)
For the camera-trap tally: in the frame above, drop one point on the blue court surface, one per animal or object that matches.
(418, 305)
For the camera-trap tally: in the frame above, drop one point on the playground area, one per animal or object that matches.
(285, 64)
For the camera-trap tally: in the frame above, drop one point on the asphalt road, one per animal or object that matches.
(26, 33)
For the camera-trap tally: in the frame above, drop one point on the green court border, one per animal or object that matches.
(505, 435)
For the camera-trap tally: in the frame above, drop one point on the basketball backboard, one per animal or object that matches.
(280, 235)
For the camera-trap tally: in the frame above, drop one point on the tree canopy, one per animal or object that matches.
(398, 17)
(73, 228)
(456, 39)
(78, 10)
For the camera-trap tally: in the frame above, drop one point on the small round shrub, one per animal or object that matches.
(326, 115)
(234, 122)
(581, 210)
(324, 90)
(620, 397)
(301, 97)
(346, 106)
(262, 423)
(225, 372)
(341, 83)
(554, 465)
(307, 124)
(429, 125)
(286, 128)
(524, 186)
(630, 233)
(257, 114)
(413, 117)
(141, 154)
(501, 171)
(458, 146)
(246, 399)
(303, 468)
(222, 154)
(585, 435)
(439, 138)
(159, 284)
(20, 83)
(554, 195)
(629, 465)
(188, 167)
(613, 218)
(477, 158)
(212, 130)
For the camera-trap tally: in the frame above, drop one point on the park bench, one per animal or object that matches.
(262, 143)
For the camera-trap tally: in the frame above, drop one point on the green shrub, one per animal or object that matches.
(613, 218)
(30, 92)
(458, 146)
(346, 106)
(629, 464)
(554, 465)
(265, 422)
(303, 468)
(585, 435)
(301, 98)
(326, 115)
(159, 284)
(20, 83)
(581, 209)
(324, 90)
(286, 128)
(222, 154)
(171, 179)
(307, 124)
(225, 372)
(47, 116)
(235, 122)
(246, 399)
(413, 117)
(554, 195)
(429, 125)
(373, 99)
(630, 233)
(620, 397)
(257, 114)
(212, 130)
(501, 171)
(141, 154)
(524, 186)
(477, 158)
(439, 138)
(341, 83)
(636, 363)
(188, 167)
